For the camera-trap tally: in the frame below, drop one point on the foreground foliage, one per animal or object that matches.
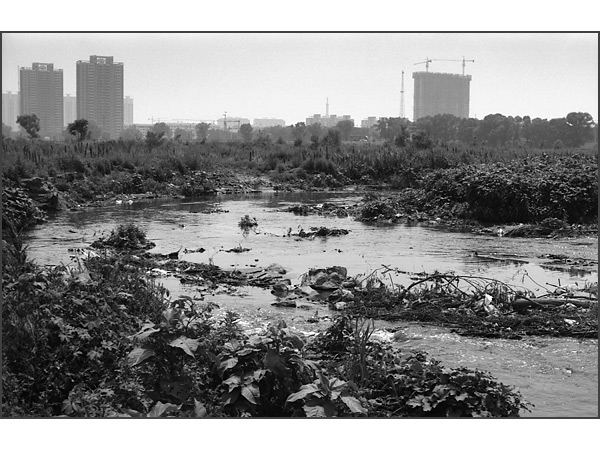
(103, 340)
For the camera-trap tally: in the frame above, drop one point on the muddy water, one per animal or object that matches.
(560, 376)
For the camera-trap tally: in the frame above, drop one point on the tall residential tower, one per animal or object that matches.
(128, 111)
(100, 94)
(10, 109)
(441, 93)
(70, 107)
(41, 93)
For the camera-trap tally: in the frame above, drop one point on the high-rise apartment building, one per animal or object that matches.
(100, 94)
(70, 109)
(41, 93)
(10, 109)
(441, 93)
(128, 111)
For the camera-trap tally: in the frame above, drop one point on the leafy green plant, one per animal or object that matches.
(328, 398)
(167, 346)
(259, 374)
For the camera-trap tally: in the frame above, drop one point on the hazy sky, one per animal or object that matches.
(289, 76)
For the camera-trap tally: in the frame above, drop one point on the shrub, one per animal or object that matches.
(125, 237)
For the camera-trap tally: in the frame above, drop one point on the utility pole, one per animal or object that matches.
(327, 108)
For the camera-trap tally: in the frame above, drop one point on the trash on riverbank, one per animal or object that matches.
(479, 306)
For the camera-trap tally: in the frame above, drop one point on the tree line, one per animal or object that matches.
(494, 130)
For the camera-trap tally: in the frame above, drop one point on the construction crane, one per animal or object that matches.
(230, 121)
(426, 62)
(464, 61)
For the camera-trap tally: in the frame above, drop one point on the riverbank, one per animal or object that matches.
(103, 340)
(106, 315)
(538, 191)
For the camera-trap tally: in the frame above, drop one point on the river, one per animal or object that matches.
(558, 375)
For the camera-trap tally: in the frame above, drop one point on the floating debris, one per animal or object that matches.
(238, 249)
(320, 232)
(197, 250)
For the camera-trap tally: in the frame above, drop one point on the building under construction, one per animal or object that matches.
(441, 93)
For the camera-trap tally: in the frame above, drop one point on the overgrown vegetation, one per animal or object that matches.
(478, 306)
(95, 170)
(103, 340)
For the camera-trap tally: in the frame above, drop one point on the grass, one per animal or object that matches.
(24, 158)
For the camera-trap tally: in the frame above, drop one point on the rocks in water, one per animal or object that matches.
(343, 295)
(328, 279)
(197, 250)
(285, 304)
(43, 193)
(281, 288)
(277, 268)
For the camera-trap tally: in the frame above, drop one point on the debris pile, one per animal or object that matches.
(318, 232)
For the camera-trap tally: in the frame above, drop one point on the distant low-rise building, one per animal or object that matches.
(143, 128)
(231, 123)
(264, 123)
(369, 122)
(327, 121)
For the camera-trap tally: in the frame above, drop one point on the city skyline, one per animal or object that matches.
(290, 76)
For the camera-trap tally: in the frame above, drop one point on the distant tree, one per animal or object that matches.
(497, 129)
(30, 123)
(390, 127)
(182, 135)
(263, 139)
(439, 127)
(246, 132)
(421, 140)
(94, 132)
(298, 131)
(315, 130)
(466, 130)
(79, 129)
(278, 132)
(131, 134)
(154, 139)
(345, 128)
(333, 138)
(202, 131)
(163, 128)
(580, 129)
(539, 132)
(6, 130)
